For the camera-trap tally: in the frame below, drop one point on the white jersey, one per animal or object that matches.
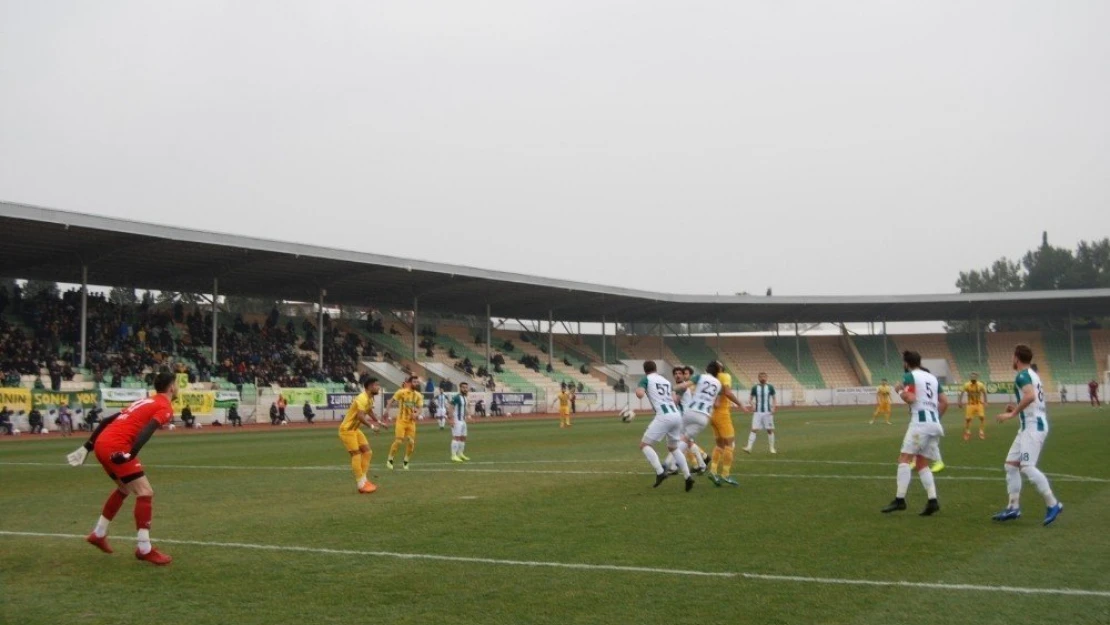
(1035, 415)
(705, 391)
(460, 406)
(660, 393)
(687, 397)
(441, 406)
(926, 388)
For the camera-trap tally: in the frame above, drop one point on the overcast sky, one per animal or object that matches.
(816, 147)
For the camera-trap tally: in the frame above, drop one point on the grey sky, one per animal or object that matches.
(810, 146)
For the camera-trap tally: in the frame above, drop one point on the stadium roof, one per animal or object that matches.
(47, 244)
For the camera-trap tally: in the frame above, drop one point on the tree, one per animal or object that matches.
(122, 296)
(1046, 268)
(35, 288)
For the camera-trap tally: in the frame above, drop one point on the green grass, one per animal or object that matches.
(789, 517)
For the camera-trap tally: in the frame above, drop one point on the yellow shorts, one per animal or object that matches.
(883, 409)
(722, 426)
(564, 411)
(353, 439)
(975, 411)
(405, 429)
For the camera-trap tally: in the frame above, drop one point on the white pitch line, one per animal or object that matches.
(1072, 592)
(455, 468)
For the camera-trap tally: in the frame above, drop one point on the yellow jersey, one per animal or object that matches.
(363, 403)
(884, 393)
(410, 402)
(723, 408)
(976, 393)
(564, 400)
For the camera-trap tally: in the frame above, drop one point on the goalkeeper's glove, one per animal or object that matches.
(121, 457)
(77, 457)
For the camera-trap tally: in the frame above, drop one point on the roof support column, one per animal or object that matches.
(886, 358)
(1071, 336)
(320, 330)
(215, 325)
(604, 356)
(797, 349)
(415, 323)
(717, 328)
(550, 338)
(84, 313)
(661, 341)
(978, 342)
(489, 339)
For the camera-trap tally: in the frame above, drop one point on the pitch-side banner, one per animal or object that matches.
(86, 399)
(340, 401)
(200, 402)
(514, 399)
(122, 397)
(317, 396)
(16, 399)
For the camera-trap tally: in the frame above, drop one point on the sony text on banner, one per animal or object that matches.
(85, 399)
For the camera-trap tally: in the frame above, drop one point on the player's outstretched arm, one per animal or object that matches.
(942, 403)
(727, 392)
(77, 457)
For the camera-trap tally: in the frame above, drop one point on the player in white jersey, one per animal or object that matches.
(763, 403)
(1032, 431)
(441, 408)
(922, 392)
(695, 456)
(703, 392)
(460, 412)
(666, 424)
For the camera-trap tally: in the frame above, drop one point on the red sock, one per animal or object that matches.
(144, 510)
(114, 503)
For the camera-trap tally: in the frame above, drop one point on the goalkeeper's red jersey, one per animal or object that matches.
(122, 433)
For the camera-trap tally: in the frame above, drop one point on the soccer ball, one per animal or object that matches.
(627, 415)
(173, 427)
(508, 414)
(375, 428)
(16, 432)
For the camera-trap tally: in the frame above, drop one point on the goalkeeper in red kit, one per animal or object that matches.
(116, 443)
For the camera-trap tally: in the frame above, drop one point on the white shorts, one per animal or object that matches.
(664, 426)
(1026, 449)
(459, 428)
(923, 439)
(693, 423)
(441, 414)
(763, 421)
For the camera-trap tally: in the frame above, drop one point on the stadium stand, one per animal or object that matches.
(871, 349)
(593, 341)
(645, 348)
(747, 356)
(1000, 355)
(1058, 354)
(561, 372)
(832, 363)
(930, 346)
(1100, 345)
(785, 349)
(513, 376)
(695, 352)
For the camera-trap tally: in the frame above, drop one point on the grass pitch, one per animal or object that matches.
(562, 526)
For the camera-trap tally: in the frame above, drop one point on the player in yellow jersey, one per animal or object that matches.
(720, 466)
(564, 407)
(976, 393)
(410, 401)
(882, 397)
(360, 413)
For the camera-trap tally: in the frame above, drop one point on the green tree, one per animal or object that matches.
(1045, 268)
(122, 296)
(35, 288)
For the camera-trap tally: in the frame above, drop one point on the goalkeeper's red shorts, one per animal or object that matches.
(127, 472)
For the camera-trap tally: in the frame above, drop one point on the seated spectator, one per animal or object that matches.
(566, 361)
(307, 412)
(282, 403)
(187, 416)
(275, 416)
(39, 386)
(480, 407)
(452, 353)
(34, 418)
(233, 417)
(496, 409)
(6, 420)
(92, 417)
(584, 370)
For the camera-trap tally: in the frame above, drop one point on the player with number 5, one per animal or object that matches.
(921, 390)
(1032, 431)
